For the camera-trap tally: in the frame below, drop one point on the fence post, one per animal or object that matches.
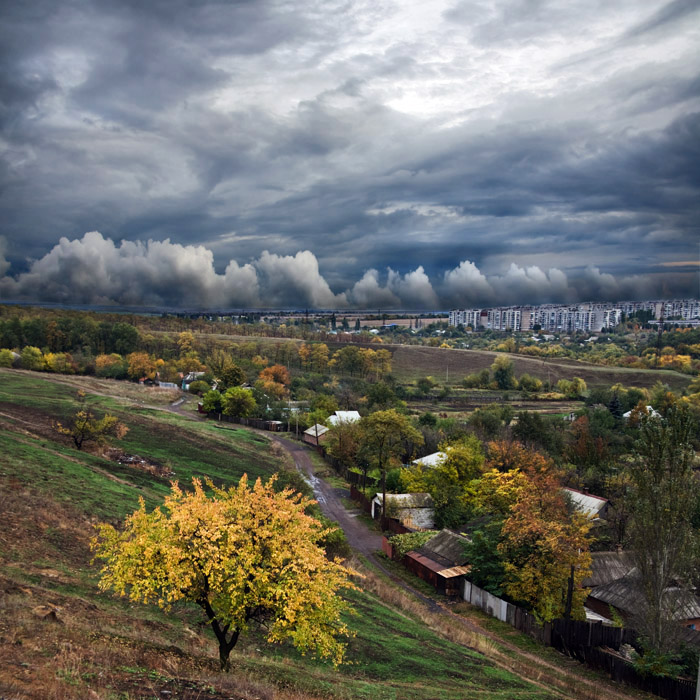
(697, 684)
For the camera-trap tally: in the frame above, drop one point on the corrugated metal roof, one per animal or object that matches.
(448, 545)
(432, 460)
(607, 567)
(344, 417)
(588, 504)
(427, 562)
(625, 594)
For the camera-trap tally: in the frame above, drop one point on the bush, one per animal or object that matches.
(403, 544)
(199, 387)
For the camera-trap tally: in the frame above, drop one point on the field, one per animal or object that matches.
(410, 362)
(62, 639)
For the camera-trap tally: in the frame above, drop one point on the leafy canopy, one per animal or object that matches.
(84, 426)
(244, 555)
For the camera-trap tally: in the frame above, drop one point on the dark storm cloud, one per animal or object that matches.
(351, 153)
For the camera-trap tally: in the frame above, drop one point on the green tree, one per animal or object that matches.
(231, 375)
(387, 435)
(238, 401)
(31, 358)
(664, 499)
(244, 555)
(211, 401)
(7, 359)
(425, 385)
(503, 373)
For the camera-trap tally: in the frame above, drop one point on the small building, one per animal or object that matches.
(189, 378)
(442, 562)
(414, 510)
(344, 417)
(650, 411)
(623, 598)
(315, 435)
(594, 507)
(432, 460)
(607, 567)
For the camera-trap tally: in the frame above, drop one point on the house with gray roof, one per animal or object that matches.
(413, 510)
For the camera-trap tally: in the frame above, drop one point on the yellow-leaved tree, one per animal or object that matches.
(243, 555)
(84, 426)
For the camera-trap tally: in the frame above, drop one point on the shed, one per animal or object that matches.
(315, 434)
(414, 510)
(441, 561)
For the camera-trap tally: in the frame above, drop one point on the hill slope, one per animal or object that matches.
(60, 638)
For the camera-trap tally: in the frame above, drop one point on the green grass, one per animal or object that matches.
(392, 656)
(395, 657)
(189, 447)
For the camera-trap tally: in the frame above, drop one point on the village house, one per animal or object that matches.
(623, 598)
(315, 435)
(344, 417)
(412, 510)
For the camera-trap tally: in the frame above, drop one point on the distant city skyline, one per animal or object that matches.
(360, 154)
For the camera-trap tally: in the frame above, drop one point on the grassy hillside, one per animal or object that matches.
(60, 638)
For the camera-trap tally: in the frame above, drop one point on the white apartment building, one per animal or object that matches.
(587, 317)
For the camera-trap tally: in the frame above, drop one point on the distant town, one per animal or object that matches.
(591, 317)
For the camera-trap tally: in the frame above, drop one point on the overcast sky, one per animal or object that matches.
(355, 153)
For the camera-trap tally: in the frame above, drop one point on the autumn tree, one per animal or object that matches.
(84, 426)
(141, 364)
(244, 555)
(545, 549)
(186, 343)
(274, 381)
(664, 500)
(112, 365)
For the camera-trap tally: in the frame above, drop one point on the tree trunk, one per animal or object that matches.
(226, 643)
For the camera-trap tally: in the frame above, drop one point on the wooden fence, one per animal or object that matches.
(274, 426)
(592, 643)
